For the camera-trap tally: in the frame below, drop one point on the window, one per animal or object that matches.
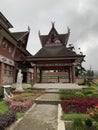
(8, 70)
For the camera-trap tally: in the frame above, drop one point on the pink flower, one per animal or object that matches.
(91, 114)
(96, 106)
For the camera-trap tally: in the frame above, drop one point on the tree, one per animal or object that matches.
(80, 70)
(89, 77)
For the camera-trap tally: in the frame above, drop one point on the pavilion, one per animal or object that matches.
(55, 55)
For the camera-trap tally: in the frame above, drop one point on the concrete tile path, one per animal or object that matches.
(39, 117)
(43, 116)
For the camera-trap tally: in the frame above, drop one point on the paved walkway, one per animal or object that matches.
(49, 96)
(40, 117)
(43, 116)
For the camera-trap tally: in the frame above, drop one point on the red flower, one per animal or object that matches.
(96, 106)
(91, 114)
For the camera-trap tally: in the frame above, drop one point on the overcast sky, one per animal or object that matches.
(81, 16)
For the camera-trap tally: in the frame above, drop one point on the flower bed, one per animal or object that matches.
(37, 91)
(78, 105)
(93, 113)
(18, 92)
(19, 105)
(6, 120)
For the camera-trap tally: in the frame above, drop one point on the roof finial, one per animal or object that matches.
(39, 32)
(29, 28)
(68, 29)
(53, 23)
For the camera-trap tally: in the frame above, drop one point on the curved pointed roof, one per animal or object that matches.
(55, 51)
(19, 35)
(46, 39)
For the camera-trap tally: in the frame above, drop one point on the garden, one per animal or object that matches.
(13, 108)
(80, 108)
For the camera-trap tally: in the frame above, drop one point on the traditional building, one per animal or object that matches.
(12, 50)
(55, 57)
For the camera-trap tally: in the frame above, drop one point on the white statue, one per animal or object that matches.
(19, 81)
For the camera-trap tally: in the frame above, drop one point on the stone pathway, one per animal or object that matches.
(49, 96)
(43, 116)
(40, 117)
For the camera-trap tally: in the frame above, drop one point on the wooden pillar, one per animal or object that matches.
(58, 78)
(35, 75)
(40, 76)
(1, 73)
(70, 75)
(73, 74)
(14, 75)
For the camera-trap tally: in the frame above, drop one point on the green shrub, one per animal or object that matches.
(67, 94)
(85, 92)
(88, 122)
(78, 124)
(88, 91)
(79, 94)
(95, 94)
(62, 96)
(66, 91)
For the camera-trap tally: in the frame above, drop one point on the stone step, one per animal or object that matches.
(52, 91)
(52, 102)
(57, 86)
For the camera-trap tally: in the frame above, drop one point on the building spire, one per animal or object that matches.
(29, 28)
(53, 23)
(68, 30)
(39, 32)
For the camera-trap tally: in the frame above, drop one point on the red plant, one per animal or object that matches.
(18, 92)
(19, 105)
(78, 105)
(37, 91)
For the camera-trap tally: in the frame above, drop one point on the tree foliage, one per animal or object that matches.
(89, 77)
(79, 69)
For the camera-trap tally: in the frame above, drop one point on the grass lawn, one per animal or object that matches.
(20, 114)
(3, 108)
(74, 116)
(27, 95)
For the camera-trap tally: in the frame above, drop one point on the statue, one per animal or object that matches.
(19, 81)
